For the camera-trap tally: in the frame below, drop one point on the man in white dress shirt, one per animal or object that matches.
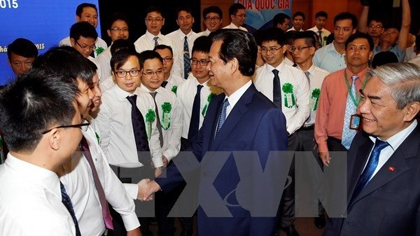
(154, 21)
(288, 88)
(212, 18)
(298, 20)
(89, 13)
(184, 38)
(237, 15)
(319, 28)
(171, 81)
(41, 126)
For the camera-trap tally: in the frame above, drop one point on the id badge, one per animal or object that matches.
(355, 122)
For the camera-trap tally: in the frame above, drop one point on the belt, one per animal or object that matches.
(305, 128)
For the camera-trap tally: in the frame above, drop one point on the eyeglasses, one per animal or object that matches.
(215, 18)
(202, 62)
(167, 59)
(119, 30)
(92, 47)
(375, 26)
(150, 19)
(123, 73)
(151, 73)
(82, 126)
(271, 50)
(293, 48)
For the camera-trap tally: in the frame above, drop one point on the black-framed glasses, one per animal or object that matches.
(271, 49)
(293, 48)
(120, 30)
(92, 47)
(83, 126)
(202, 62)
(167, 59)
(151, 73)
(123, 73)
(214, 18)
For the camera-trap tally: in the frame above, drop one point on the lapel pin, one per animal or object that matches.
(391, 168)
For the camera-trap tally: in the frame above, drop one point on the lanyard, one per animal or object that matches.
(355, 102)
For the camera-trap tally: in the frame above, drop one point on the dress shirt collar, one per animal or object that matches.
(195, 81)
(150, 36)
(145, 89)
(361, 74)
(280, 67)
(311, 69)
(38, 175)
(182, 35)
(121, 94)
(397, 139)
(234, 97)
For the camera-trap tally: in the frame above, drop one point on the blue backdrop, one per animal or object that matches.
(44, 22)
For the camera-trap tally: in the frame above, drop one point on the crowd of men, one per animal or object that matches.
(104, 140)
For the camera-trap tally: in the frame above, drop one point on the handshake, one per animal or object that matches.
(146, 189)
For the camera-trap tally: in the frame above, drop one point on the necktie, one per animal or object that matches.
(195, 115)
(65, 199)
(156, 40)
(187, 65)
(307, 76)
(158, 125)
(222, 117)
(276, 89)
(320, 37)
(164, 83)
(139, 129)
(348, 134)
(370, 167)
(104, 204)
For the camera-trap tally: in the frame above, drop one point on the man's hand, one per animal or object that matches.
(325, 157)
(158, 172)
(134, 232)
(146, 189)
(165, 161)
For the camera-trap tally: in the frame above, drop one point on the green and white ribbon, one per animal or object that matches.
(150, 118)
(315, 99)
(174, 89)
(166, 118)
(99, 50)
(98, 138)
(289, 97)
(204, 111)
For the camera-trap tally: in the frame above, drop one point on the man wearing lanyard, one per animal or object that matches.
(336, 124)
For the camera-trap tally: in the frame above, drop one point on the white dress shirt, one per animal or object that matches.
(316, 77)
(99, 43)
(171, 123)
(95, 61)
(416, 60)
(293, 29)
(106, 84)
(234, 97)
(173, 82)
(288, 61)
(116, 129)
(233, 26)
(146, 42)
(104, 60)
(204, 33)
(297, 113)
(186, 94)
(177, 38)
(80, 186)
(30, 201)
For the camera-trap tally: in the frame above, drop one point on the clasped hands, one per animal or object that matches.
(146, 189)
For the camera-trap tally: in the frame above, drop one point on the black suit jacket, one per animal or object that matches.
(390, 202)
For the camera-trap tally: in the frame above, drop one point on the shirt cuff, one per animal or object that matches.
(132, 190)
(131, 221)
(322, 147)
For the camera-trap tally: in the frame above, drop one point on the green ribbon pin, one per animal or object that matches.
(150, 118)
(289, 97)
(204, 111)
(166, 118)
(315, 99)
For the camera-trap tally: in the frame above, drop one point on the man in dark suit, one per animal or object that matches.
(240, 119)
(384, 160)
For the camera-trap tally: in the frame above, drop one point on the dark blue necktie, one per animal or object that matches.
(276, 89)
(370, 167)
(222, 117)
(195, 115)
(187, 65)
(139, 129)
(65, 199)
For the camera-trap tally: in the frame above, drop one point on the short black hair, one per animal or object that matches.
(120, 58)
(212, 9)
(299, 13)
(116, 17)
(273, 34)
(22, 47)
(240, 45)
(359, 35)
(163, 46)
(67, 62)
(346, 16)
(280, 18)
(377, 19)
(31, 104)
(148, 55)
(321, 14)
(201, 44)
(289, 36)
(83, 29)
(308, 36)
(80, 8)
(122, 44)
(233, 9)
(153, 9)
(183, 8)
(382, 58)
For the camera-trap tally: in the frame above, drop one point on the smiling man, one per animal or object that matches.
(384, 160)
(212, 18)
(237, 13)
